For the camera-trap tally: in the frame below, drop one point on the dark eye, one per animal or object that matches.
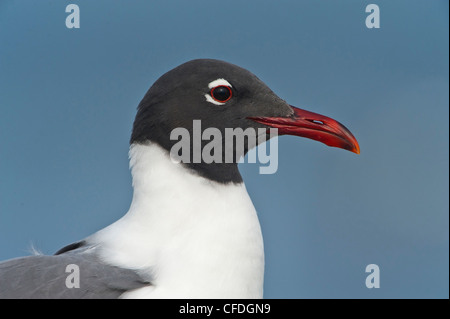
(221, 93)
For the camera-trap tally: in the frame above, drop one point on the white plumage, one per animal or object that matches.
(195, 237)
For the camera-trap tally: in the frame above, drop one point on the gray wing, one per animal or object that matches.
(49, 277)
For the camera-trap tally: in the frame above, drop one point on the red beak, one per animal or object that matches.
(314, 126)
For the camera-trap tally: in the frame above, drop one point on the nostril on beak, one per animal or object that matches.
(316, 122)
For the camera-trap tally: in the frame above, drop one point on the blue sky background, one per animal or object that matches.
(68, 99)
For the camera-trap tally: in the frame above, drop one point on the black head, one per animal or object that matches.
(223, 95)
(220, 94)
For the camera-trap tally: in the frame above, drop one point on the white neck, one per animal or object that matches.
(197, 238)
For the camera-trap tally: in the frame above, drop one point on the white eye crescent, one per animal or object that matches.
(217, 83)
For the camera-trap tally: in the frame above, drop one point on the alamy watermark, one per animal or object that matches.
(230, 148)
(373, 19)
(73, 279)
(73, 19)
(373, 279)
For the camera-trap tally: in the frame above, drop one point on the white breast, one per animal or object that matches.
(197, 238)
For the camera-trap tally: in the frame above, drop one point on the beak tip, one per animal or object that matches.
(356, 149)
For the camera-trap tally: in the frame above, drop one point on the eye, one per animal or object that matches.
(221, 93)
